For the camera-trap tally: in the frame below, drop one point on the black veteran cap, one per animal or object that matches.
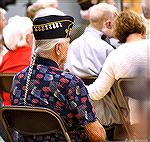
(53, 26)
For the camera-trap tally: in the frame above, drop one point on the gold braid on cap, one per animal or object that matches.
(50, 25)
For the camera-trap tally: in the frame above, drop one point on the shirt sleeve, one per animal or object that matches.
(105, 80)
(79, 102)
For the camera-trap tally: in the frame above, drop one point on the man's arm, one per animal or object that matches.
(95, 132)
(83, 111)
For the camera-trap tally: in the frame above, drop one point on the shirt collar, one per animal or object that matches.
(94, 31)
(45, 62)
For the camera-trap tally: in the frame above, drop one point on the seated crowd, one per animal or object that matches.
(49, 69)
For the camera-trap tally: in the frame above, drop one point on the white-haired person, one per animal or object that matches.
(40, 4)
(2, 25)
(87, 53)
(146, 13)
(125, 61)
(43, 84)
(17, 36)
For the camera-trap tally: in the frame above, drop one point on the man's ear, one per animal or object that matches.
(58, 48)
(29, 39)
(108, 24)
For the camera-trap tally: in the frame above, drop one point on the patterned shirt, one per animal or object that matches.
(60, 91)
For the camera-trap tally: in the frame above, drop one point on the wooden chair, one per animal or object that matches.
(35, 121)
(5, 84)
(6, 81)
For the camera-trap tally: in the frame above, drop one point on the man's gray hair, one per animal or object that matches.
(101, 11)
(43, 46)
(146, 8)
(2, 12)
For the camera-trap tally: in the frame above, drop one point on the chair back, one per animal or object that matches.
(6, 81)
(32, 121)
(136, 88)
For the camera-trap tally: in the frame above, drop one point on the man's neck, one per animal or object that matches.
(96, 27)
(48, 56)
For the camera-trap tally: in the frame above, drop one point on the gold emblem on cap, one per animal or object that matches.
(46, 27)
(52, 25)
(68, 32)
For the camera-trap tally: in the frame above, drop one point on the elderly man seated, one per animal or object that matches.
(43, 84)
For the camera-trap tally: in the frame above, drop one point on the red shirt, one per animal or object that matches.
(17, 60)
(14, 62)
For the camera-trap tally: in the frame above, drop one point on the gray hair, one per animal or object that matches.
(16, 30)
(146, 8)
(2, 12)
(101, 11)
(43, 46)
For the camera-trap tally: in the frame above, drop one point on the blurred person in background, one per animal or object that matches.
(40, 4)
(125, 61)
(17, 37)
(146, 13)
(2, 25)
(45, 85)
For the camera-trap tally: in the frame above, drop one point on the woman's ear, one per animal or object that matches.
(58, 49)
(108, 24)
(143, 36)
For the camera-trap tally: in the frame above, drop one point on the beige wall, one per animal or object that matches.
(134, 5)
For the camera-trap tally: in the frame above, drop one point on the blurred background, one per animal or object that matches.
(18, 7)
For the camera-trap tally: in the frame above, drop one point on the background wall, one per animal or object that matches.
(70, 7)
(67, 6)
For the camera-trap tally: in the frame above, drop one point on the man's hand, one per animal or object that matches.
(95, 132)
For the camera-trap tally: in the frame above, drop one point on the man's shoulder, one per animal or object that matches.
(77, 40)
(70, 77)
(22, 73)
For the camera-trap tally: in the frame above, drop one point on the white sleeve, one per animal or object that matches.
(105, 80)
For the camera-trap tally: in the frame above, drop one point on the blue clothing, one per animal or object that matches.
(60, 91)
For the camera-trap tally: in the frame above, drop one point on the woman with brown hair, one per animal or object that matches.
(125, 61)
